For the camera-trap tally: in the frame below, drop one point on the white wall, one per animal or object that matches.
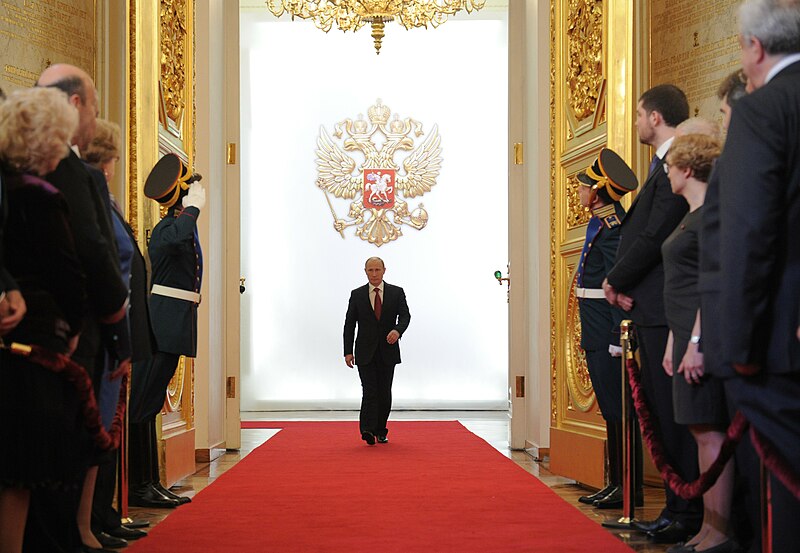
(300, 271)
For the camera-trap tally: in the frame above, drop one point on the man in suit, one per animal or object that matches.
(600, 190)
(636, 283)
(176, 260)
(380, 311)
(757, 184)
(52, 516)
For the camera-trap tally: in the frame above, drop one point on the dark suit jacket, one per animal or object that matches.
(176, 261)
(372, 332)
(143, 343)
(760, 227)
(638, 271)
(91, 227)
(6, 280)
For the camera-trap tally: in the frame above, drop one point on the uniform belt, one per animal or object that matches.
(590, 293)
(176, 293)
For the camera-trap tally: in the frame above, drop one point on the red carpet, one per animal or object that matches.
(316, 487)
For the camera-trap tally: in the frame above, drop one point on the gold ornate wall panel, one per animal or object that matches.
(578, 121)
(161, 120)
(37, 33)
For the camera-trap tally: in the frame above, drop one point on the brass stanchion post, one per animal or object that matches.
(628, 459)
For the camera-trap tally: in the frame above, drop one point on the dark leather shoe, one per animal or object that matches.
(368, 437)
(614, 500)
(136, 524)
(673, 533)
(126, 533)
(87, 549)
(648, 526)
(382, 439)
(600, 494)
(110, 542)
(147, 496)
(170, 494)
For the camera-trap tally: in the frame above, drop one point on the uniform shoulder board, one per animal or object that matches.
(609, 216)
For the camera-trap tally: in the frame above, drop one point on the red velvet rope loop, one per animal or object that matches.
(77, 375)
(739, 425)
(651, 435)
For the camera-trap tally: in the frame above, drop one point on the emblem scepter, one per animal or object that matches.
(335, 218)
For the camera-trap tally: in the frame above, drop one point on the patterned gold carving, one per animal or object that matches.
(175, 387)
(173, 61)
(576, 214)
(133, 193)
(578, 382)
(553, 219)
(585, 56)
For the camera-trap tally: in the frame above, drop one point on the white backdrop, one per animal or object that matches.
(300, 271)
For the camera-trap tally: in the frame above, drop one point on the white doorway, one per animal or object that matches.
(296, 79)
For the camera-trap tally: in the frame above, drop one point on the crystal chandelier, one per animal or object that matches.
(351, 15)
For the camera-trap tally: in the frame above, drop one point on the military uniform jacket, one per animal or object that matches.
(371, 331)
(638, 271)
(176, 261)
(599, 319)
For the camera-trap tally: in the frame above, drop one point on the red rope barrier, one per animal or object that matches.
(77, 375)
(649, 426)
(775, 462)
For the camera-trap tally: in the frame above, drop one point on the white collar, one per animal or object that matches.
(784, 62)
(379, 287)
(664, 148)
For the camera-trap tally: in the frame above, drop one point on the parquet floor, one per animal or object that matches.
(492, 426)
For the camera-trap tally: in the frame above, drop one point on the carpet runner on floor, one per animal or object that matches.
(315, 487)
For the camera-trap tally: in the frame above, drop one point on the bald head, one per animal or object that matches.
(79, 87)
(699, 125)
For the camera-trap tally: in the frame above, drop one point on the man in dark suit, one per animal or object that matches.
(52, 517)
(757, 184)
(636, 283)
(600, 190)
(176, 260)
(380, 311)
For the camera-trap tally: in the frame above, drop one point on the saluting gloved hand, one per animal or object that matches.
(196, 196)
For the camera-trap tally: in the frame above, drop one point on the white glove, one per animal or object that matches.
(196, 196)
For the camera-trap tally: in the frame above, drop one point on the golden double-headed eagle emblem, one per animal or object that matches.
(378, 187)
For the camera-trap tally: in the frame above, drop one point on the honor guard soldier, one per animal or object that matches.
(601, 187)
(177, 267)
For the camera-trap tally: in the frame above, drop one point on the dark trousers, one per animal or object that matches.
(679, 445)
(104, 516)
(376, 397)
(143, 455)
(772, 404)
(149, 381)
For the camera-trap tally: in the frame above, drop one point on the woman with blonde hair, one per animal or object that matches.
(39, 409)
(698, 400)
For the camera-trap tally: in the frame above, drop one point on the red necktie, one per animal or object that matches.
(378, 304)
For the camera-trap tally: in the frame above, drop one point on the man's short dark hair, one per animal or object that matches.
(72, 85)
(733, 87)
(668, 100)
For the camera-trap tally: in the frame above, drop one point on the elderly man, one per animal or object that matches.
(758, 286)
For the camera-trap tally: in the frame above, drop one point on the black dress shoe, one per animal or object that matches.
(110, 542)
(136, 524)
(170, 494)
(673, 533)
(648, 526)
(126, 533)
(614, 500)
(147, 496)
(368, 437)
(87, 549)
(600, 494)
(382, 439)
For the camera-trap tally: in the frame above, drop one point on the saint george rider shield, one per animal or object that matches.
(379, 188)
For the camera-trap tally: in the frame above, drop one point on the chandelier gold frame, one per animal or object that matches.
(351, 15)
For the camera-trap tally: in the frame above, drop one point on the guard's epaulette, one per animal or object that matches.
(608, 214)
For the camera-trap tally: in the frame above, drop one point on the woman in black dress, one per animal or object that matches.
(698, 400)
(39, 409)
